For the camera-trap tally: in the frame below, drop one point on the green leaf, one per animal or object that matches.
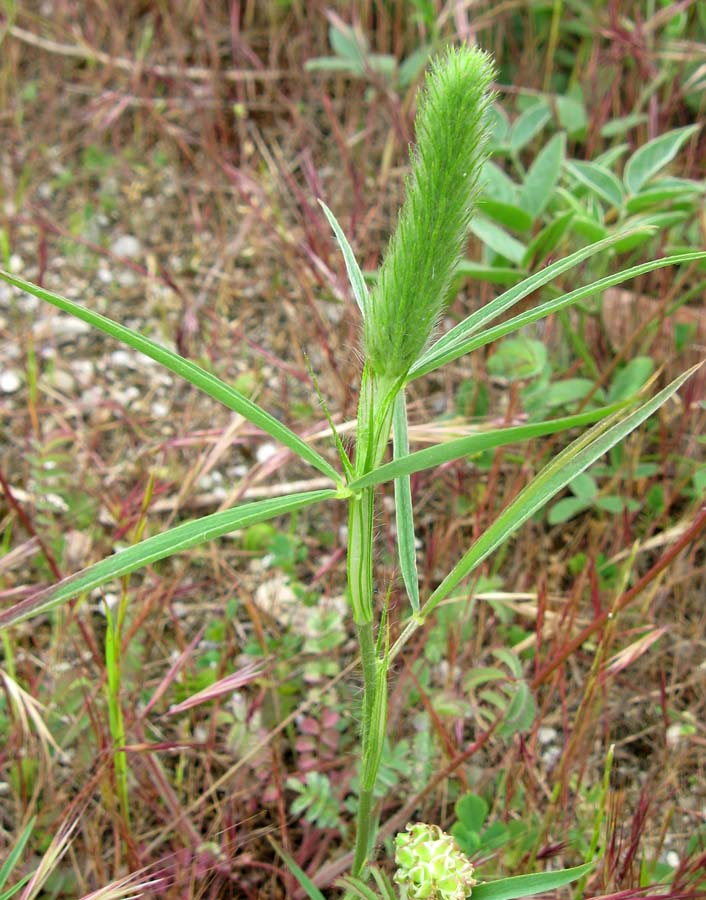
(186, 369)
(355, 276)
(498, 123)
(455, 343)
(497, 239)
(653, 156)
(591, 230)
(348, 43)
(492, 274)
(527, 885)
(666, 191)
(472, 811)
(482, 675)
(496, 307)
(518, 358)
(576, 458)
(568, 391)
(507, 214)
(16, 853)
(530, 123)
(404, 515)
(620, 126)
(542, 245)
(160, 546)
(312, 892)
(598, 179)
(584, 487)
(566, 509)
(10, 892)
(496, 185)
(543, 176)
(431, 457)
(520, 712)
(354, 887)
(510, 659)
(571, 114)
(611, 503)
(630, 379)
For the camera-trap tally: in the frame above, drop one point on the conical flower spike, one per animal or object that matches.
(423, 253)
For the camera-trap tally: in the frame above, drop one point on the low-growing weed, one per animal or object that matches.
(399, 321)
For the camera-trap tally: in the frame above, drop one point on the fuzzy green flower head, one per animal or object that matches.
(422, 256)
(430, 865)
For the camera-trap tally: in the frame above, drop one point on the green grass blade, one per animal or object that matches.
(507, 299)
(307, 885)
(355, 276)
(16, 853)
(577, 457)
(434, 456)
(186, 369)
(404, 514)
(462, 347)
(527, 885)
(356, 888)
(182, 537)
(10, 892)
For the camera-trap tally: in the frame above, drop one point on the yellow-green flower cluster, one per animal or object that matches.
(430, 865)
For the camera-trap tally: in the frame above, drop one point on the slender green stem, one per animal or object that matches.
(374, 424)
(366, 640)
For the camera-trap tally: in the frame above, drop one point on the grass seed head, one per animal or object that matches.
(423, 253)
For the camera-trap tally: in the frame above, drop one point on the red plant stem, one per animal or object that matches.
(692, 532)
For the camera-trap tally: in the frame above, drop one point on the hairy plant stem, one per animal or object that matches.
(366, 642)
(374, 424)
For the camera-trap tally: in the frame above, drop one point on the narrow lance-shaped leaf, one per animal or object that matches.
(310, 889)
(543, 176)
(186, 369)
(160, 546)
(463, 346)
(431, 457)
(355, 276)
(577, 457)
(404, 514)
(492, 310)
(528, 885)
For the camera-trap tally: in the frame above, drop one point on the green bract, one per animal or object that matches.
(431, 865)
(425, 249)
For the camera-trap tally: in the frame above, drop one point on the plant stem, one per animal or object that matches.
(374, 424)
(368, 655)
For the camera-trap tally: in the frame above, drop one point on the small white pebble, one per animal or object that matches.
(83, 370)
(107, 599)
(122, 358)
(16, 263)
(127, 278)
(545, 734)
(551, 756)
(127, 246)
(674, 734)
(672, 859)
(105, 276)
(159, 409)
(10, 381)
(265, 451)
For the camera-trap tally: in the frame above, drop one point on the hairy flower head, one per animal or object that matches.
(421, 258)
